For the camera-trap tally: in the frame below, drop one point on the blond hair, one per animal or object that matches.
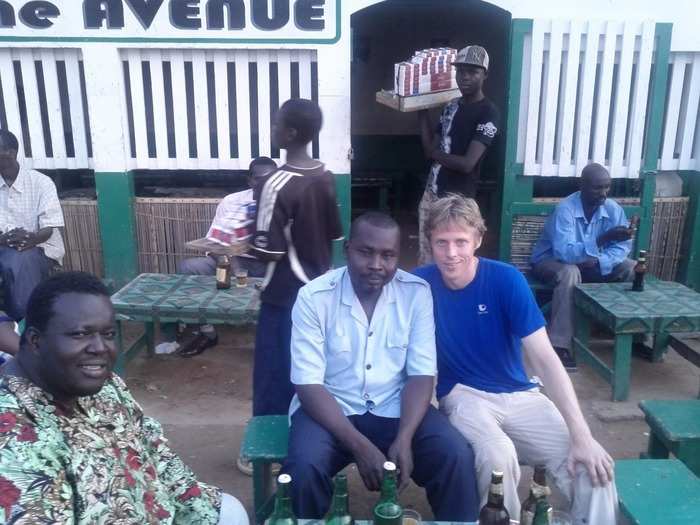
(457, 209)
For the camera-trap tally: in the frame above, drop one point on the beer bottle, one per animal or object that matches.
(223, 272)
(494, 513)
(282, 514)
(339, 513)
(387, 511)
(536, 509)
(639, 270)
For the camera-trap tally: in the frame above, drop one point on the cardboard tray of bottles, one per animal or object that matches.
(416, 102)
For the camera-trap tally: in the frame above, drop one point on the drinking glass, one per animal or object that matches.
(411, 517)
(241, 277)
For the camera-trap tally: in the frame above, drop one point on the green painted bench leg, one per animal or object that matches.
(689, 453)
(581, 330)
(149, 329)
(262, 479)
(121, 357)
(660, 345)
(622, 368)
(656, 448)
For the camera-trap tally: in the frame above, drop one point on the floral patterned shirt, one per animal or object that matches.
(106, 464)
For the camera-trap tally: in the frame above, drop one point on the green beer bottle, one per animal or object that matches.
(282, 513)
(494, 513)
(536, 509)
(387, 511)
(339, 513)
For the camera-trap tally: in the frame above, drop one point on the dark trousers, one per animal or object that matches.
(272, 388)
(443, 463)
(21, 272)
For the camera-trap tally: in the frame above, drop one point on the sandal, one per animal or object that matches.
(198, 344)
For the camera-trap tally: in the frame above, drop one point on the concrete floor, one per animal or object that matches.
(204, 403)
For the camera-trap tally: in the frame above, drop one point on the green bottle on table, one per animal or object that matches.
(536, 509)
(387, 511)
(282, 513)
(339, 513)
(494, 512)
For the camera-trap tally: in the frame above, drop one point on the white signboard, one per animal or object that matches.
(163, 21)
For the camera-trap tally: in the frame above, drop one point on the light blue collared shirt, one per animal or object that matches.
(363, 364)
(568, 237)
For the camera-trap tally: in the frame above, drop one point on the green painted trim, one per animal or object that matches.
(343, 193)
(689, 271)
(115, 209)
(515, 187)
(646, 217)
(163, 40)
(659, 80)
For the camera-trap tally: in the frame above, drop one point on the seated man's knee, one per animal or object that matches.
(568, 274)
(496, 454)
(625, 270)
(191, 266)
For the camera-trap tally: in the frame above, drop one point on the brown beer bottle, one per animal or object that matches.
(536, 510)
(223, 272)
(494, 513)
(639, 270)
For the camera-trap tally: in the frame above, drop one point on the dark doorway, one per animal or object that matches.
(388, 166)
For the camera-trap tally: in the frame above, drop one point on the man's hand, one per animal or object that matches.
(593, 456)
(369, 460)
(401, 454)
(20, 239)
(616, 234)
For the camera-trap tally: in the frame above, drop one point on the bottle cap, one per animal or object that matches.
(284, 478)
(388, 465)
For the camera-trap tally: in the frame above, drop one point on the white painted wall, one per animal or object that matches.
(684, 14)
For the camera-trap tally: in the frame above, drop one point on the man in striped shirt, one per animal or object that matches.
(297, 218)
(30, 218)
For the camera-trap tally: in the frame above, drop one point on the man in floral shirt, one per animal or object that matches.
(75, 447)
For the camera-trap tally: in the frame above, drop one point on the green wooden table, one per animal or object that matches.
(662, 308)
(674, 428)
(171, 298)
(657, 492)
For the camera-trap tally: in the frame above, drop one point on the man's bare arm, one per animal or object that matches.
(462, 163)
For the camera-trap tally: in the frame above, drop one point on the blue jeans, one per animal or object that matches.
(443, 463)
(272, 387)
(21, 272)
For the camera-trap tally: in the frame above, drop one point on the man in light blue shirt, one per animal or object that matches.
(586, 239)
(363, 365)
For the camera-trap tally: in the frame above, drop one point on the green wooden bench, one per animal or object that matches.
(657, 492)
(264, 443)
(687, 346)
(674, 428)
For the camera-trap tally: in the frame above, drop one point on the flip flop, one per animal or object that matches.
(197, 345)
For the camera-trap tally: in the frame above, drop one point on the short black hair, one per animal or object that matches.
(41, 301)
(373, 218)
(8, 140)
(593, 169)
(261, 161)
(304, 116)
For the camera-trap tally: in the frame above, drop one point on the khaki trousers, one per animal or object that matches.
(504, 429)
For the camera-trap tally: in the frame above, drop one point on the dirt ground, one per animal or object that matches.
(204, 403)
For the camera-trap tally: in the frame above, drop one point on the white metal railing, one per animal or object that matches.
(209, 109)
(584, 96)
(680, 149)
(43, 104)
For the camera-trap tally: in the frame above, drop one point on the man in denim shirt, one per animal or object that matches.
(586, 239)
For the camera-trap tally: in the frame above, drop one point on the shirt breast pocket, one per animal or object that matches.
(338, 354)
(397, 349)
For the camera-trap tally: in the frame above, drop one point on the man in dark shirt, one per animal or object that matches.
(457, 146)
(297, 218)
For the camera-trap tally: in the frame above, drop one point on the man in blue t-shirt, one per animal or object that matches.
(484, 314)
